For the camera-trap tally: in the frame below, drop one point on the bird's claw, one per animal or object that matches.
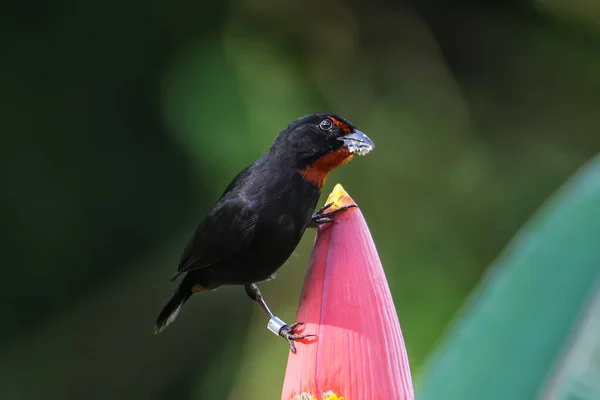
(288, 333)
(314, 222)
(321, 217)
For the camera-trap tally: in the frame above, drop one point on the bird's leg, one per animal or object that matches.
(276, 325)
(321, 217)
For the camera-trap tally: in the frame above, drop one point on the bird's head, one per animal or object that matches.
(319, 143)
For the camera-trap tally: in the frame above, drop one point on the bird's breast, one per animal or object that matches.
(283, 220)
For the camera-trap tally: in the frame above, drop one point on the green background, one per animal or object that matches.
(122, 123)
(530, 330)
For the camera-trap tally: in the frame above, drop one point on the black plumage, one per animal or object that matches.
(263, 213)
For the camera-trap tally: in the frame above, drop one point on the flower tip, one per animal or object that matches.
(339, 197)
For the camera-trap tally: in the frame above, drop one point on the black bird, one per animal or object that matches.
(263, 213)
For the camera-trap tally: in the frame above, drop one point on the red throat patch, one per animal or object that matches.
(316, 173)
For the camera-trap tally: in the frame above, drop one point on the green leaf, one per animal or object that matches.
(512, 335)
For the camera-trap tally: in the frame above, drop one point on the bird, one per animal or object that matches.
(263, 213)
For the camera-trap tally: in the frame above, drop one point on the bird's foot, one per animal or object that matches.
(321, 217)
(289, 332)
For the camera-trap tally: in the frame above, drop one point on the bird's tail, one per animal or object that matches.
(171, 309)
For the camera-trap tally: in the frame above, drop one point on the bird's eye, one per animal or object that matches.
(326, 124)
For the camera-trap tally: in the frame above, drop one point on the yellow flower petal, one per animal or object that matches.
(339, 197)
(330, 395)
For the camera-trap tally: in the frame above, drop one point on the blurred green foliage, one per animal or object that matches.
(122, 123)
(520, 322)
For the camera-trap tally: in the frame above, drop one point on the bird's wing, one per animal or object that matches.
(228, 229)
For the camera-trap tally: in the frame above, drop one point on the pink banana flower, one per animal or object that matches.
(359, 351)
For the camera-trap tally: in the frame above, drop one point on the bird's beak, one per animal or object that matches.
(357, 143)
